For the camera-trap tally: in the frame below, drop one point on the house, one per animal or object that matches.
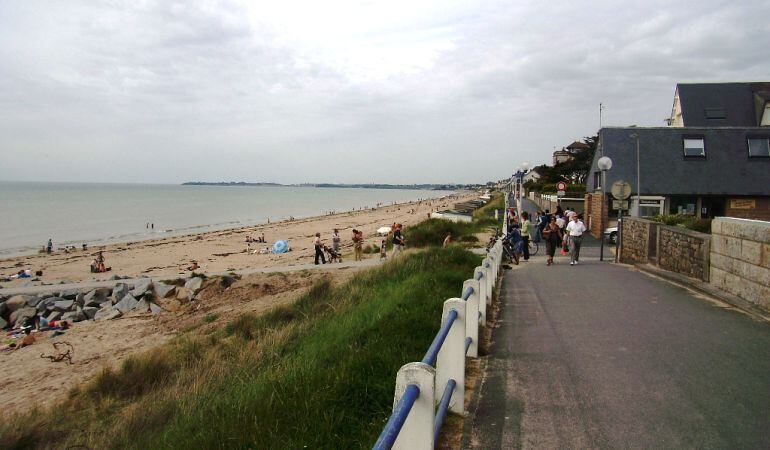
(561, 156)
(714, 159)
(577, 147)
(533, 175)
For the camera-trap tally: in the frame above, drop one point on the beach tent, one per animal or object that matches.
(383, 231)
(281, 247)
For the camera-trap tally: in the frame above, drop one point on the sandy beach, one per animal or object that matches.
(225, 250)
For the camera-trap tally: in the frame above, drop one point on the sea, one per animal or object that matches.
(98, 214)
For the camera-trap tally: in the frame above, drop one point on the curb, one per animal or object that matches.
(706, 289)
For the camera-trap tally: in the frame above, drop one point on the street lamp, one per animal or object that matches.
(605, 164)
(638, 179)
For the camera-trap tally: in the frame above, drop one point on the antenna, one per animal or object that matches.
(601, 107)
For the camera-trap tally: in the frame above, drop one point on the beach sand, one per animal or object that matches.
(225, 250)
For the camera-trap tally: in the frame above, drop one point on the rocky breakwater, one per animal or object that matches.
(59, 309)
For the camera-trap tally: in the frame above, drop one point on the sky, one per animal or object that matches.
(345, 91)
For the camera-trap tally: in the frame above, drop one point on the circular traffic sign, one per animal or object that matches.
(621, 189)
(561, 186)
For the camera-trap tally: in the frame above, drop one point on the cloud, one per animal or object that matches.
(346, 91)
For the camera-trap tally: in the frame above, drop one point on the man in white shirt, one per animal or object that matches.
(575, 229)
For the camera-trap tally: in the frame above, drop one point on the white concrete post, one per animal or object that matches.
(450, 363)
(482, 295)
(493, 266)
(487, 265)
(417, 432)
(471, 312)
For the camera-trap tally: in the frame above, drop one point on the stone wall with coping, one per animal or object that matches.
(636, 240)
(595, 214)
(684, 251)
(740, 259)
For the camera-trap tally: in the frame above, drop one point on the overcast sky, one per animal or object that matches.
(345, 91)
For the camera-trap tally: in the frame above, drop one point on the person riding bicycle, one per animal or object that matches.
(516, 243)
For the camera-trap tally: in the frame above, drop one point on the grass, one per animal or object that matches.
(319, 373)
(684, 221)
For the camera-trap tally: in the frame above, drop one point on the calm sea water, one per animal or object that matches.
(74, 213)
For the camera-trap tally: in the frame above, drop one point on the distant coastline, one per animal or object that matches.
(423, 187)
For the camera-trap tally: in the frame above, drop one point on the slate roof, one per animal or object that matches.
(578, 146)
(726, 169)
(741, 104)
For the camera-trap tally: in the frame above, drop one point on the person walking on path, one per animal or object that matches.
(319, 249)
(398, 240)
(336, 241)
(575, 228)
(358, 245)
(49, 246)
(553, 236)
(526, 233)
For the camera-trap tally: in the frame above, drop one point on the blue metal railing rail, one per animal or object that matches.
(420, 381)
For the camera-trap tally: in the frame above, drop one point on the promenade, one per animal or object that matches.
(600, 355)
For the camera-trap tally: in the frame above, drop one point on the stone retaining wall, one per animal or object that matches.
(636, 240)
(740, 259)
(684, 251)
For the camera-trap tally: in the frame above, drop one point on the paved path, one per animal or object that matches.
(601, 356)
(32, 290)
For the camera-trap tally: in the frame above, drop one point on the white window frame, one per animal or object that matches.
(702, 147)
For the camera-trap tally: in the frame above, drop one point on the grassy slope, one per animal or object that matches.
(319, 373)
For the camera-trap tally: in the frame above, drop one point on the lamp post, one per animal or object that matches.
(638, 178)
(605, 164)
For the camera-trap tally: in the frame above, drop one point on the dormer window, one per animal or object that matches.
(694, 147)
(759, 147)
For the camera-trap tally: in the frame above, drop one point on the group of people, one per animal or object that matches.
(334, 252)
(97, 264)
(562, 229)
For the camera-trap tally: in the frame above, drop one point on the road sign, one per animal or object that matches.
(561, 186)
(620, 204)
(621, 189)
(560, 193)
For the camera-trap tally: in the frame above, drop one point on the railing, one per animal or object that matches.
(418, 413)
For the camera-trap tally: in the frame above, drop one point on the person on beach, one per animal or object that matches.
(358, 245)
(248, 244)
(319, 249)
(398, 240)
(526, 230)
(448, 239)
(553, 236)
(383, 246)
(336, 241)
(575, 228)
(49, 246)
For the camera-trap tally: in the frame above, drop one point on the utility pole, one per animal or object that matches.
(601, 107)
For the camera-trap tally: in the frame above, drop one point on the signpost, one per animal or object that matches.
(561, 187)
(621, 190)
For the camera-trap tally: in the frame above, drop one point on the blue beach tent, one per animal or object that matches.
(281, 247)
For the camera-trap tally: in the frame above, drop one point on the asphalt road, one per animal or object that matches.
(601, 356)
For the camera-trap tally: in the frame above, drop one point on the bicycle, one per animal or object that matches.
(533, 248)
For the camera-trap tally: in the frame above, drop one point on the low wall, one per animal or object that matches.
(636, 240)
(684, 251)
(740, 259)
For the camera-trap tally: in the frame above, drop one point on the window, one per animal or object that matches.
(759, 147)
(694, 147)
(597, 180)
(715, 113)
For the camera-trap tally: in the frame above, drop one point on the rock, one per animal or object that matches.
(17, 301)
(20, 315)
(163, 290)
(115, 277)
(184, 294)
(120, 290)
(33, 301)
(3, 308)
(126, 304)
(194, 284)
(64, 305)
(141, 287)
(3, 323)
(142, 306)
(74, 316)
(45, 303)
(69, 294)
(172, 305)
(53, 315)
(79, 299)
(155, 309)
(90, 311)
(96, 297)
(107, 313)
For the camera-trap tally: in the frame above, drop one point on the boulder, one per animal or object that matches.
(53, 315)
(20, 315)
(33, 301)
(184, 294)
(74, 316)
(17, 302)
(3, 308)
(155, 309)
(115, 277)
(107, 313)
(63, 305)
(141, 286)
(69, 294)
(194, 284)
(96, 297)
(120, 290)
(79, 299)
(3, 323)
(90, 311)
(163, 290)
(172, 305)
(126, 304)
(142, 306)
